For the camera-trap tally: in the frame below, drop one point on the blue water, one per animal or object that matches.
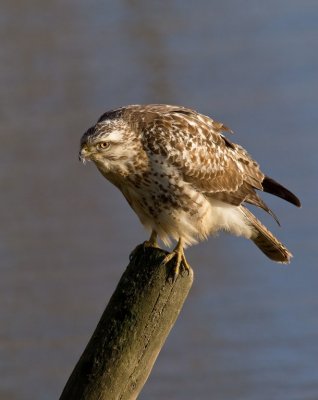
(249, 328)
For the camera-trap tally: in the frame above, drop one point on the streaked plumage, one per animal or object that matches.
(184, 179)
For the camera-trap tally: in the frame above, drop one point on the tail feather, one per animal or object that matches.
(266, 241)
(275, 188)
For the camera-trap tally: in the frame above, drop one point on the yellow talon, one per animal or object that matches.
(152, 242)
(180, 262)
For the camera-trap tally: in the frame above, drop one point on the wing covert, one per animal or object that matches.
(195, 145)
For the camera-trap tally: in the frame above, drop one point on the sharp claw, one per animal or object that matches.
(180, 264)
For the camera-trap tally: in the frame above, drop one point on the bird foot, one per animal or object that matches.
(153, 240)
(146, 244)
(150, 243)
(179, 264)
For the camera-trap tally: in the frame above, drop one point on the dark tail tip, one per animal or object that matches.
(275, 188)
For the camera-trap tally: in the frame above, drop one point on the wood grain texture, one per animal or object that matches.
(131, 332)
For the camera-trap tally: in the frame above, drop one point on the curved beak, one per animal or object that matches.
(84, 154)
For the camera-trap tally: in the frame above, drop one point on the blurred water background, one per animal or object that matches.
(249, 329)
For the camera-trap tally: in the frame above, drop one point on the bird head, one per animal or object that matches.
(107, 143)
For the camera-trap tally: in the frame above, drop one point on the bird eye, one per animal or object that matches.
(103, 145)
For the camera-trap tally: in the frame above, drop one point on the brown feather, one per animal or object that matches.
(266, 241)
(171, 163)
(275, 188)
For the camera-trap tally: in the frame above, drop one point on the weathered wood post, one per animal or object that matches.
(131, 332)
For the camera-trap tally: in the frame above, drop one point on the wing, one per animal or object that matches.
(204, 157)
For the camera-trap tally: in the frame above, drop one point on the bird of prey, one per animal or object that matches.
(183, 177)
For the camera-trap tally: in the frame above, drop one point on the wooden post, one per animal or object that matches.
(131, 332)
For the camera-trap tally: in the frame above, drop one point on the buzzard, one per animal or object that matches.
(183, 177)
